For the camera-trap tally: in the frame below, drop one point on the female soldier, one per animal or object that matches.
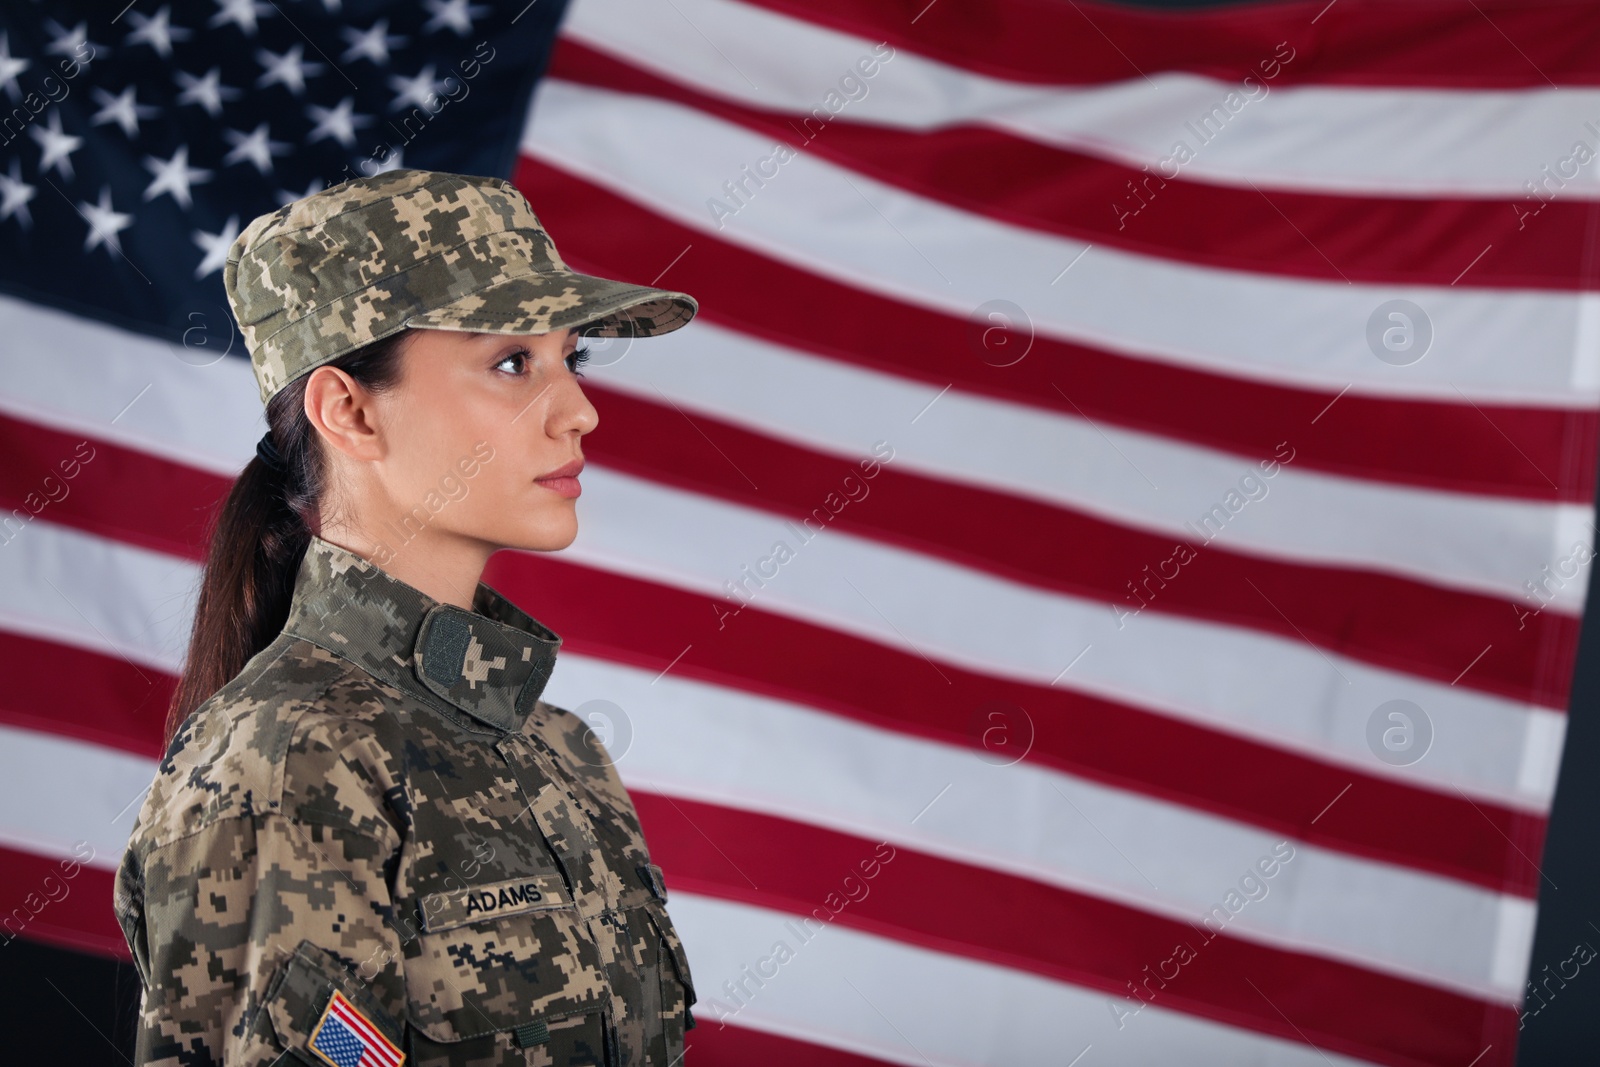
(370, 841)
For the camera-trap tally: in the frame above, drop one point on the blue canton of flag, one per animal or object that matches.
(134, 146)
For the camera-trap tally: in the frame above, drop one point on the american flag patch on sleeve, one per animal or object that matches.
(344, 1037)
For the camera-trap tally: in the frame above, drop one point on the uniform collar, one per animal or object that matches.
(491, 662)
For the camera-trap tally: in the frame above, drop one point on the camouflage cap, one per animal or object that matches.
(333, 271)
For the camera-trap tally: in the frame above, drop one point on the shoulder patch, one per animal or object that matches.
(344, 1037)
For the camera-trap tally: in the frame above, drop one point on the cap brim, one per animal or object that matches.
(541, 303)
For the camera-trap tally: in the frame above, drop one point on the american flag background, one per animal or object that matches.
(1100, 583)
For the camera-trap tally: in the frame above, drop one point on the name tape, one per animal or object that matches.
(482, 903)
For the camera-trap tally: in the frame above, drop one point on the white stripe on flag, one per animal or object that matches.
(1344, 138)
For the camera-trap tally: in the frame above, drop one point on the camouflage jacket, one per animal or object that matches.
(379, 829)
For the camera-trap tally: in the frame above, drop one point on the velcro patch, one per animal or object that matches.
(344, 1037)
(483, 903)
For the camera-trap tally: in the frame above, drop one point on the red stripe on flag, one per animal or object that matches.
(122, 493)
(41, 901)
(110, 701)
(993, 172)
(735, 1045)
(1438, 44)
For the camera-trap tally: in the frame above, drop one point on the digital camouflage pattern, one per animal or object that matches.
(380, 803)
(333, 271)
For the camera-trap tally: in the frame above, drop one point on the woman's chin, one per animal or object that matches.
(550, 535)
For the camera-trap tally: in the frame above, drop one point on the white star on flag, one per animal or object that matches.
(57, 147)
(14, 196)
(253, 146)
(242, 13)
(215, 246)
(455, 14)
(156, 30)
(10, 68)
(415, 91)
(373, 44)
(208, 91)
(174, 176)
(65, 42)
(337, 122)
(104, 223)
(289, 69)
(122, 109)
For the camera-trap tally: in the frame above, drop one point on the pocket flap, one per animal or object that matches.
(316, 1003)
(495, 971)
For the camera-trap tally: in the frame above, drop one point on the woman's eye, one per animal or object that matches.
(515, 363)
(578, 358)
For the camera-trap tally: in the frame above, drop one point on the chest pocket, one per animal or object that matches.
(500, 967)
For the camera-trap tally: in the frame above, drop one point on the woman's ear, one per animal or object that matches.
(343, 413)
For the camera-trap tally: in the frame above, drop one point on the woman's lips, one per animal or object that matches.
(563, 480)
(567, 487)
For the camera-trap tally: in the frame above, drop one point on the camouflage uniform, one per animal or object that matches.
(381, 806)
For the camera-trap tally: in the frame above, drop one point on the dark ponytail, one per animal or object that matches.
(261, 534)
